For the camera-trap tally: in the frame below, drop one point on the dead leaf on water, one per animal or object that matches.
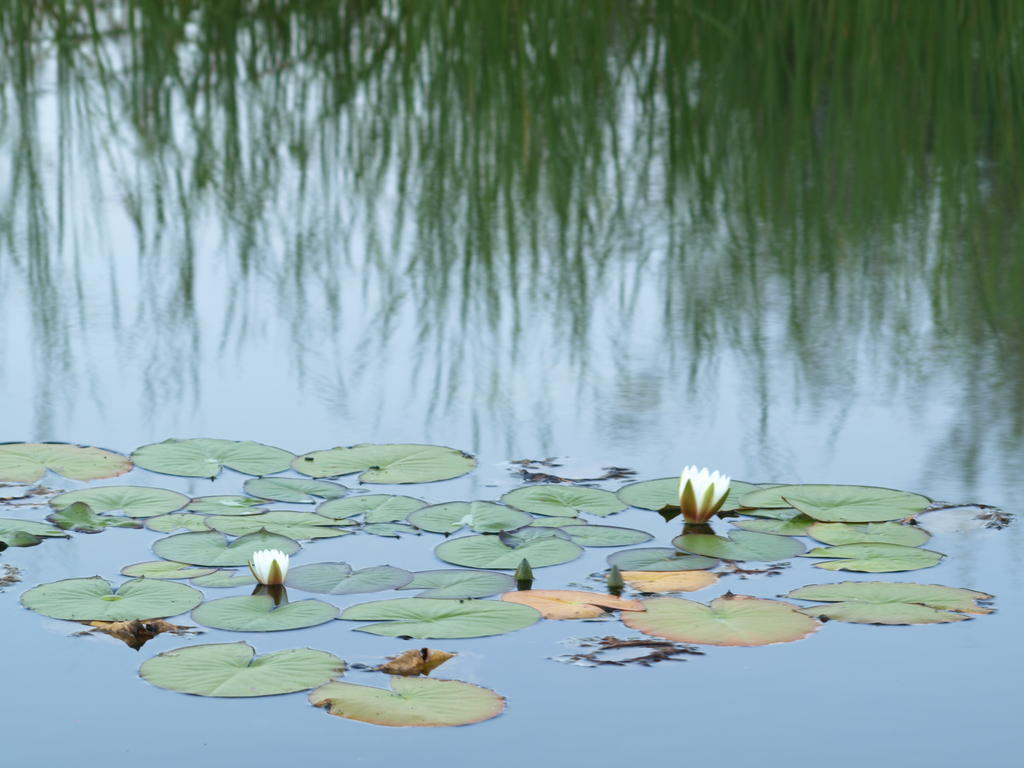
(420, 661)
(669, 581)
(137, 632)
(571, 604)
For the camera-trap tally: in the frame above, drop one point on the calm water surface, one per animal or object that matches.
(783, 244)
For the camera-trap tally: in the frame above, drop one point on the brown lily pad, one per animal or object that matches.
(669, 581)
(571, 604)
(418, 661)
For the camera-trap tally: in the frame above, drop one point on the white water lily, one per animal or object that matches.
(701, 493)
(269, 566)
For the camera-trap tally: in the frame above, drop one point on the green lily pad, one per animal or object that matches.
(340, 579)
(412, 701)
(178, 521)
(78, 517)
(455, 583)
(875, 558)
(728, 620)
(205, 457)
(489, 551)
(227, 505)
(781, 513)
(258, 613)
(294, 490)
(390, 530)
(863, 533)
(226, 578)
(885, 602)
(133, 500)
(165, 569)
(606, 536)
(429, 618)
(233, 670)
(480, 516)
(793, 526)
(28, 462)
(294, 525)
(403, 463)
(213, 549)
(555, 522)
(26, 533)
(94, 599)
(664, 492)
(659, 559)
(563, 500)
(841, 503)
(740, 546)
(376, 508)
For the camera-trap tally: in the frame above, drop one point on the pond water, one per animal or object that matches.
(782, 244)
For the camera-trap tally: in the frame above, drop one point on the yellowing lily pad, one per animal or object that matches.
(669, 581)
(28, 462)
(571, 604)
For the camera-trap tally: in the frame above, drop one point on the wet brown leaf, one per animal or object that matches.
(137, 632)
(571, 604)
(421, 661)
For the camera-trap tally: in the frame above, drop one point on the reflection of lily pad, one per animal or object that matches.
(294, 490)
(489, 551)
(480, 516)
(570, 603)
(340, 579)
(875, 558)
(178, 521)
(883, 602)
(78, 517)
(402, 463)
(740, 546)
(205, 457)
(377, 507)
(863, 533)
(226, 505)
(133, 500)
(563, 500)
(728, 620)
(165, 569)
(454, 583)
(294, 525)
(841, 503)
(28, 462)
(427, 618)
(213, 549)
(664, 492)
(26, 533)
(258, 613)
(94, 599)
(234, 670)
(659, 559)
(415, 701)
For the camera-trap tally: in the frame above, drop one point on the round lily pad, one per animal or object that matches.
(664, 492)
(26, 533)
(793, 526)
(226, 577)
(376, 507)
(875, 558)
(563, 500)
(28, 462)
(841, 503)
(294, 490)
(133, 500)
(258, 613)
(234, 670)
(340, 579)
(390, 530)
(570, 603)
(659, 559)
(413, 701)
(428, 618)
(213, 549)
(178, 521)
(227, 505)
(740, 546)
(489, 551)
(294, 525)
(556, 522)
(606, 536)
(727, 620)
(455, 583)
(165, 569)
(669, 581)
(863, 533)
(94, 599)
(205, 457)
(401, 463)
(884, 602)
(480, 516)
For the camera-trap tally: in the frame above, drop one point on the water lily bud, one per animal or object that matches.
(615, 581)
(524, 575)
(701, 493)
(269, 566)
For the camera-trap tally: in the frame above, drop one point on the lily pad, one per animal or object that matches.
(233, 670)
(376, 507)
(862, 533)
(178, 521)
(78, 517)
(793, 526)
(401, 463)
(740, 546)
(227, 505)
(780, 513)
(165, 569)
(875, 558)
(563, 500)
(133, 500)
(94, 599)
(664, 492)
(294, 490)
(728, 620)
(659, 559)
(412, 701)
(455, 583)
(428, 618)
(390, 530)
(294, 525)
(606, 536)
(480, 516)
(28, 462)
(489, 551)
(213, 549)
(570, 603)
(555, 522)
(26, 533)
(340, 579)
(258, 613)
(841, 503)
(885, 602)
(226, 578)
(205, 457)
(669, 581)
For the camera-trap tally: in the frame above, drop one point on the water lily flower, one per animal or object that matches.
(701, 493)
(269, 566)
